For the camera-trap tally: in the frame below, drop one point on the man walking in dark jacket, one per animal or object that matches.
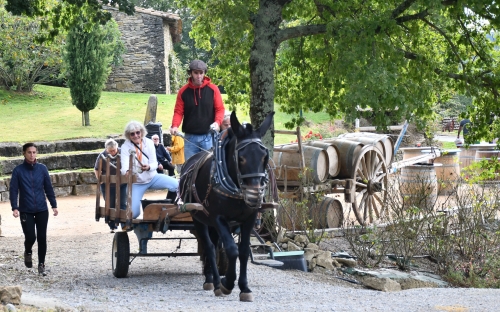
(29, 186)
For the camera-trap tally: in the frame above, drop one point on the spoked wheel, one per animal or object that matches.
(121, 254)
(370, 176)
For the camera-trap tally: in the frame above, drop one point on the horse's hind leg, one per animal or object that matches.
(212, 278)
(244, 252)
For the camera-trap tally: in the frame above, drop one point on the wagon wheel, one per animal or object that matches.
(370, 176)
(120, 254)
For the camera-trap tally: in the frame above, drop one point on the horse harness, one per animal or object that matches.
(219, 175)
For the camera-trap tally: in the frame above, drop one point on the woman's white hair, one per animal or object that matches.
(133, 126)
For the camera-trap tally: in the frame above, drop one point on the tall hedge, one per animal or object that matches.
(90, 51)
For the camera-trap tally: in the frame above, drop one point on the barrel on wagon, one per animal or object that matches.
(288, 164)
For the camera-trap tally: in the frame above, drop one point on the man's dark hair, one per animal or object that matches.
(28, 145)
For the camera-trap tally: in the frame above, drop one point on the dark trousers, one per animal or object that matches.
(34, 224)
(165, 165)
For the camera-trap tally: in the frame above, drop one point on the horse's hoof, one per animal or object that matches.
(218, 293)
(246, 297)
(225, 291)
(208, 286)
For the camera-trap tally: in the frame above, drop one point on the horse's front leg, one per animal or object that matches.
(212, 278)
(244, 252)
(227, 283)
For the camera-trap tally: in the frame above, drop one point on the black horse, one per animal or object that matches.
(230, 183)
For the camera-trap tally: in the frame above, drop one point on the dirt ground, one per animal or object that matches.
(79, 258)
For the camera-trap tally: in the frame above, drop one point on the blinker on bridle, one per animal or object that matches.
(253, 196)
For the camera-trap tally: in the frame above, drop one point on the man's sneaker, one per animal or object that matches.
(41, 269)
(28, 262)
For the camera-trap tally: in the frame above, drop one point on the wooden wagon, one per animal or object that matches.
(363, 160)
(158, 216)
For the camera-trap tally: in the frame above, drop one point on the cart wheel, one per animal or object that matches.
(121, 254)
(370, 176)
(221, 259)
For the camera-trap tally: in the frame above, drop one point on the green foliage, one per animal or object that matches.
(391, 57)
(456, 105)
(483, 171)
(88, 57)
(64, 14)
(177, 74)
(23, 61)
(399, 57)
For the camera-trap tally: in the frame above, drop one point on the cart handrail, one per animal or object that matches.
(434, 153)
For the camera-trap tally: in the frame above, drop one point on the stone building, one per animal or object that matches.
(149, 36)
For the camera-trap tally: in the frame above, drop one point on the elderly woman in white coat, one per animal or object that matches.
(144, 166)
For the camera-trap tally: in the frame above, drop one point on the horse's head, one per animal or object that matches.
(249, 159)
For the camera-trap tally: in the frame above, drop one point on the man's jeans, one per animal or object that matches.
(195, 143)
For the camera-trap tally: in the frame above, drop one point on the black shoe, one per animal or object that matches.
(28, 262)
(41, 269)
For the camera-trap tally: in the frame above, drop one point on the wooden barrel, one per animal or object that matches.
(383, 142)
(348, 150)
(468, 155)
(448, 172)
(315, 158)
(327, 213)
(419, 186)
(333, 155)
(488, 155)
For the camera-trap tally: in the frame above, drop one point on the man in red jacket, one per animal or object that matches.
(199, 107)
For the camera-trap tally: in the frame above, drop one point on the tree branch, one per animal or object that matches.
(322, 7)
(283, 2)
(467, 35)
(453, 47)
(406, 18)
(401, 8)
(300, 31)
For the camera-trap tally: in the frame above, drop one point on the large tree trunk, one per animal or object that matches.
(262, 59)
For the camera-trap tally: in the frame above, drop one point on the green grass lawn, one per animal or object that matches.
(47, 114)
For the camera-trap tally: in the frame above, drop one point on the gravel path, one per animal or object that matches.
(80, 277)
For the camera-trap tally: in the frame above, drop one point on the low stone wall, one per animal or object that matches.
(16, 149)
(64, 183)
(11, 149)
(54, 162)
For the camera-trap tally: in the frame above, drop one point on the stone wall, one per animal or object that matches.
(64, 183)
(148, 36)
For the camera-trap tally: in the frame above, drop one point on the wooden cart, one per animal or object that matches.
(158, 216)
(364, 183)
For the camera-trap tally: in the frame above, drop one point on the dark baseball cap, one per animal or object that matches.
(198, 65)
